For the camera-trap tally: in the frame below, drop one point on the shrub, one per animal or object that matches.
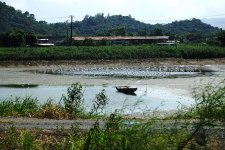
(99, 103)
(73, 101)
(51, 111)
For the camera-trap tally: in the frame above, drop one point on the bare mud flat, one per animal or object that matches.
(21, 72)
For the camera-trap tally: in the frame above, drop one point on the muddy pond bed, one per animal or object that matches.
(158, 87)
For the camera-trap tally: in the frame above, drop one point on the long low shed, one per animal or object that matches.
(116, 38)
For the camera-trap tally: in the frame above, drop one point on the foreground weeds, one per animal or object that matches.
(18, 106)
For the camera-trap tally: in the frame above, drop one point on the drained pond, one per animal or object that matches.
(158, 87)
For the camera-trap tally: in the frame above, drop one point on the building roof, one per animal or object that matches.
(111, 38)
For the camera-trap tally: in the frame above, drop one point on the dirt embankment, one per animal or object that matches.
(133, 62)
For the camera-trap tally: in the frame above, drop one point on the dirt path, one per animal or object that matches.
(45, 124)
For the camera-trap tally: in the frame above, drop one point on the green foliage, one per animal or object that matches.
(18, 106)
(208, 112)
(195, 38)
(143, 136)
(31, 39)
(13, 139)
(18, 38)
(210, 103)
(9, 140)
(27, 141)
(117, 31)
(12, 20)
(157, 32)
(88, 42)
(99, 103)
(221, 38)
(51, 110)
(73, 101)
(19, 85)
(112, 52)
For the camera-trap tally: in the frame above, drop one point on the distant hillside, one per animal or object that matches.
(99, 24)
(189, 26)
(12, 19)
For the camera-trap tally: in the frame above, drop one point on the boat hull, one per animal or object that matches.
(126, 90)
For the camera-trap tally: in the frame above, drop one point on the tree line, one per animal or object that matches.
(12, 21)
(18, 38)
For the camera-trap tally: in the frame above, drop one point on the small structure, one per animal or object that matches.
(168, 43)
(43, 43)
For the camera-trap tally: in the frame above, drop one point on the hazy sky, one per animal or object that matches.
(149, 11)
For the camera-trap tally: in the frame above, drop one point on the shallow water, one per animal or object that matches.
(147, 97)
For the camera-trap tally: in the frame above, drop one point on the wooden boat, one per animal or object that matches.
(126, 89)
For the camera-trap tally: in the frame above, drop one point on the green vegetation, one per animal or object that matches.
(19, 85)
(18, 38)
(18, 106)
(221, 38)
(112, 52)
(99, 103)
(74, 100)
(178, 132)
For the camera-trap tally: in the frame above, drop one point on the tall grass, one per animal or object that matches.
(112, 52)
(30, 107)
(18, 106)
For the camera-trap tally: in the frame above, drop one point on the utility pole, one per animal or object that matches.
(71, 30)
(67, 35)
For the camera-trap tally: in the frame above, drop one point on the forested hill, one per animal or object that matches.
(12, 19)
(112, 25)
(99, 24)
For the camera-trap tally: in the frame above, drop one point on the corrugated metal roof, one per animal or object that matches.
(111, 38)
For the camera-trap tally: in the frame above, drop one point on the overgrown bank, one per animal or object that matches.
(112, 52)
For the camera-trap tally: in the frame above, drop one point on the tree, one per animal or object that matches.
(73, 101)
(117, 31)
(31, 39)
(195, 38)
(157, 32)
(221, 38)
(17, 39)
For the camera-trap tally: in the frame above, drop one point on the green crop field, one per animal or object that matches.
(111, 52)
